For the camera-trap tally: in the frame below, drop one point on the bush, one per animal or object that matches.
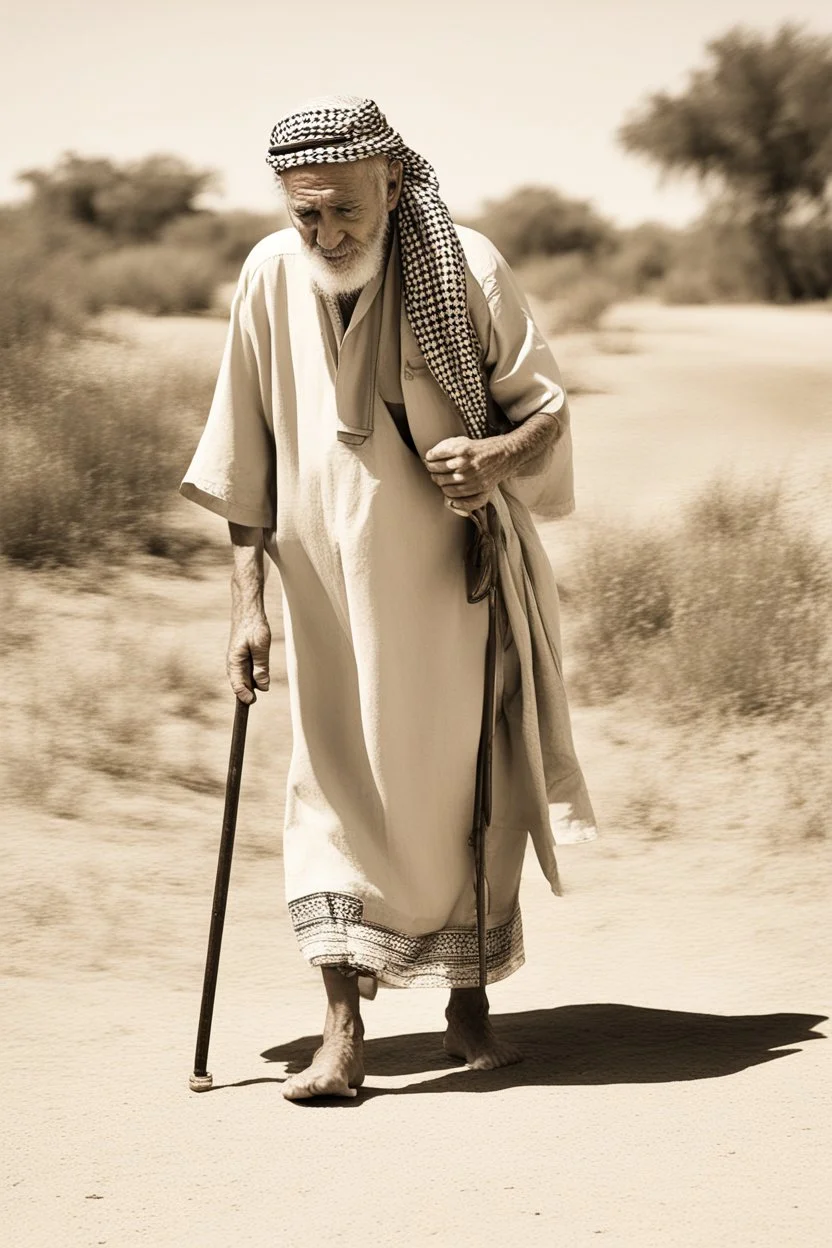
(624, 599)
(54, 275)
(642, 258)
(41, 297)
(718, 260)
(729, 613)
(228, 236)
(583, 307)
(157, 278)
(574, 286)
(715, 262)
(809, 247)
(130, 202)
(687, 288)
(89, 464)
(539, 221)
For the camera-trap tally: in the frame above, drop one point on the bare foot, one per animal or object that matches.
(470, 1034)
(337, 1069)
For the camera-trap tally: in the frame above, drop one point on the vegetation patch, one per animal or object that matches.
(728, 613)
(156, 278)
(90, 460)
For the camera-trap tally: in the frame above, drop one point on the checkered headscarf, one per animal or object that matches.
(433, 264)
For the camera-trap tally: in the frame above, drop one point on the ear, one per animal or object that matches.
(394, 184)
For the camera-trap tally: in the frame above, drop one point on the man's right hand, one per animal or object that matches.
(247, 661)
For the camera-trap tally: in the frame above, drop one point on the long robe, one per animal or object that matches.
(317, 436)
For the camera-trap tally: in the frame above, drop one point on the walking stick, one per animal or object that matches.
(483, 581)
(201, 1080)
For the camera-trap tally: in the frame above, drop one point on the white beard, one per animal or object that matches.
(349, 278)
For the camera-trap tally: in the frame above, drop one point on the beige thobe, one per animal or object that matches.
(384, 652)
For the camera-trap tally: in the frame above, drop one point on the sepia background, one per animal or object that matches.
(658, 174)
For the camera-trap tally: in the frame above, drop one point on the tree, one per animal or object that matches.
(756, 124)
(538, 221)
(131, 202)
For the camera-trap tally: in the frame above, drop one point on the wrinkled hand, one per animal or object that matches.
(467, 470)
(247, 661)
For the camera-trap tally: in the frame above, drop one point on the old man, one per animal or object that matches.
(382, 379)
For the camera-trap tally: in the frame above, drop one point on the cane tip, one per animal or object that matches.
(201, 1083)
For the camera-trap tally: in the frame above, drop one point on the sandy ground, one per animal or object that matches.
(676, 1089)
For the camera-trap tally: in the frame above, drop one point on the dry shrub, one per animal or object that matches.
(90, 463)
(642, 257)
(583, 308)
(728, 613)
(752, 595)
(41, 297)
(90, 456)
(717, 260)
(43, 263)
(723, 511)
(229, 236)
(537, 221)
(576, 288)
(159, 279)
(687, 288)
(623, 596)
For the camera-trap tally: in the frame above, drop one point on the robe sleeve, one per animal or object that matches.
(232, 472)
(524, 379)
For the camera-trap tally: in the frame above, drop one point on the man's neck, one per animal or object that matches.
(346, 304)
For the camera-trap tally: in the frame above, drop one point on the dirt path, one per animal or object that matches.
(649, 1109)
(676, 1089)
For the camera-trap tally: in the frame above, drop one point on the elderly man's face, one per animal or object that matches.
(341, 213)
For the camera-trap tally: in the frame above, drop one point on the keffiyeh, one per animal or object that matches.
(433, 264)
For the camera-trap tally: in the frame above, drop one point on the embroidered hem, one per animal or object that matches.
(331, 931)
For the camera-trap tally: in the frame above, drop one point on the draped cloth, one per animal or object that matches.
(432, 259)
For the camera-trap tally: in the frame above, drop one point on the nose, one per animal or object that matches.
(329, 234)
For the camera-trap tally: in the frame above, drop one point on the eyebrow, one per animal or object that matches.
(346, 205)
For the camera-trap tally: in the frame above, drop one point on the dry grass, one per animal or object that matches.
(156, 278)
(119, 706)
(728, 613)
(90, 459)
(42, 295)
(575, 289)
(623, 595)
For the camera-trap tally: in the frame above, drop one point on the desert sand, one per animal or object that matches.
(676, 1087)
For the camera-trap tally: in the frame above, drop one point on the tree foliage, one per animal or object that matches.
(130, 202)
(756, 123)
(538, 221)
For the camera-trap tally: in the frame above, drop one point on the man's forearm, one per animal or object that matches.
(248, 576)
(468, 470)
(248, 647)
(529, 444)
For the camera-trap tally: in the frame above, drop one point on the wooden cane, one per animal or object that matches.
(488, 526)
(201, 1080)
(482, 796)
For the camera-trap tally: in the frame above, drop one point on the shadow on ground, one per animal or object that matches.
(584, 1044)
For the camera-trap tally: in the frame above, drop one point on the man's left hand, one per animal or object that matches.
(468, 470)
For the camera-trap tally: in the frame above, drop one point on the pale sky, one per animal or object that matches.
(495, 95)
